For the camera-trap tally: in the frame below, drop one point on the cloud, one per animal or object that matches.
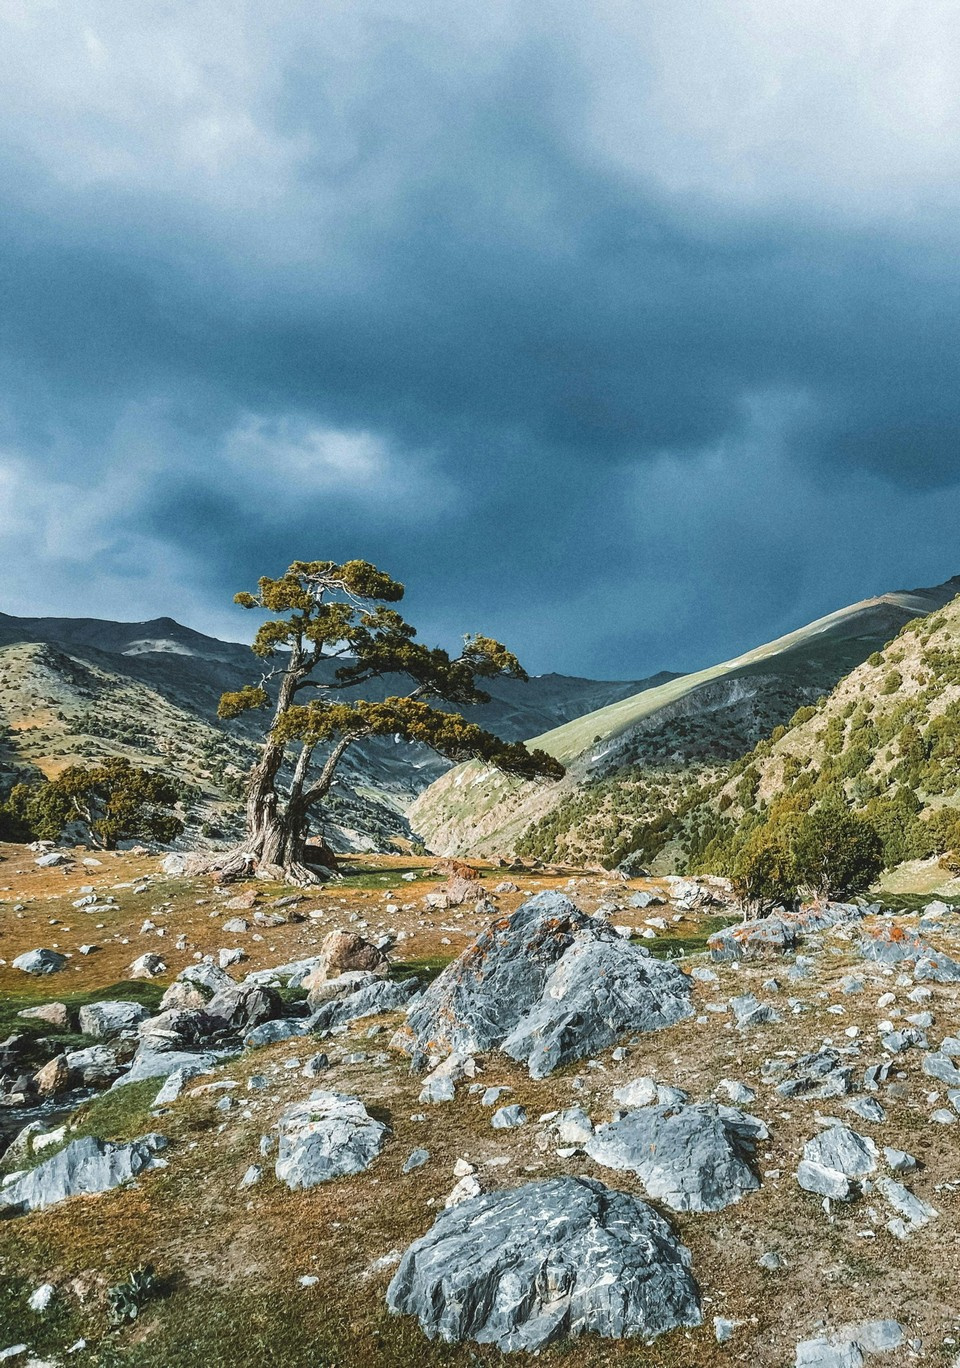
(591, 323)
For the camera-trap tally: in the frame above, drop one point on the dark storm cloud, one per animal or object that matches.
(624, 426)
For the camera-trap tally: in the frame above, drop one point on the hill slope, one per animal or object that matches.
(75, 689)
(654, 750)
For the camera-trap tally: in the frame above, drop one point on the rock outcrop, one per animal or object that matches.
(326, 1137)
(519, 1269)
(85, 1167)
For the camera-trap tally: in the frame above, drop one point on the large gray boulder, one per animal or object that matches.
(106, 1019)
(522, 1268)
(95, 1064)
(40, 962)
(692, 1158)
(547, 985)
(85, 1167)
(328, 1136)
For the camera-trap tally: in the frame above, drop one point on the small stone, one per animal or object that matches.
(416, 1159)
(41, 1298)
(508, 1118)
(252, 1176)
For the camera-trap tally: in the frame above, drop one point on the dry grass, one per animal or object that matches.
(231, 1259)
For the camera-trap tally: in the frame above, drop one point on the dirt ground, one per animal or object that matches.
(230, 1259)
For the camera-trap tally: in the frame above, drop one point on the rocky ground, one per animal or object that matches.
(713, 1158)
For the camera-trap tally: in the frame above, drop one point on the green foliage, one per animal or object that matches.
(126, 1300)
(892, 681)
(116, 800)
(764, 872)
(836, 853)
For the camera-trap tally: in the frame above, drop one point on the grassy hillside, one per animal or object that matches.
(644, 758)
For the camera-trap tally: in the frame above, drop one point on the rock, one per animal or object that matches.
(519, 1269)
(163, 1063)
(53, 1013)
(251, 1177)
(941, 1067)
(382, 995)
(723, 1329)
(824, 1353)
(147, 966)
(693, 1158)
(205, 976)
(53, 1078)
(227, 957)
(573, 1126)
(867, 1108)
(437, 1089)
(51, 860)
(106, 1019)
(915, 1212)
(818, 1074)
(547, 984)
(467, 1187)
(183, 997)
(315, 1066)
(326, 1137)
(321, 990)
(749, 1011)
(834, 1160)
(86, 1166)
(40, 962)
(416, 1159)
(242, 1006)
(771, 936)
(509, 1118)
(235, 926)
(283, 1028)
(640, 1092)
(873, 1337)
(899, 1160)
(96, 1064)
(175, 1083)
(491, 1096)
(176, 1030)
(40, 1299)
(738, 1093)
(344, 951)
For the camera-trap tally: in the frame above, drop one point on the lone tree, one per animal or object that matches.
(114, 800)
(327, 612)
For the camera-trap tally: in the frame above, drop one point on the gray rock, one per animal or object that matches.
(867, 1108)
(333, 989)
(749, 1011)
(818, 1074)
(693, 1158)
(437, 1089)
(913, 1209)
(162, 1063)
(899, 1160)
(241, 1006)
(548, 985)
(175, 1083)
(147, 966)
(509, 1118)
(40, 962)
(206, 976)
(738, 1093)
(573, 1126)
(491, 1096)
(834, 1160)
(95, 1064)
(771, 936)
(939, 1066)
(825, 1353)
(176, 1030)
(416, 1159)
(86, 1166)
(269, 1032)
(873, 1337)
(380, 995)
(106, 1019)
(597, 991)
(326, 1137)
(519, 1269)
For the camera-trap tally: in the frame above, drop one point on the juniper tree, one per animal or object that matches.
(324, 612)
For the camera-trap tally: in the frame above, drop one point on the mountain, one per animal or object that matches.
(886, 739)
(652, 751)
(77, 689)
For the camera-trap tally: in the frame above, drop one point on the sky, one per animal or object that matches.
(625, 332)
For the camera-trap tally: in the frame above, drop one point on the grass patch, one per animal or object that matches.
(667, 946)
(426, 970)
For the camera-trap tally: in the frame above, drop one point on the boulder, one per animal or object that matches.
(85, 1167)
(326, 1137)
(381, 995)
(548, 985)
(106, 1019)
(161, 1063)
(242, 1006)
(206, 976)
(281, 1028)
(183, 997)
(834, 1161)
(598, 990)
(147, 966)
(53, 1078)
(40, 962)
(175, 1030)
(96, 1064)
(697, 1157)
(555, 1259)
(773, 935)
(321, 990)
(344, 951)
(53, 1013)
